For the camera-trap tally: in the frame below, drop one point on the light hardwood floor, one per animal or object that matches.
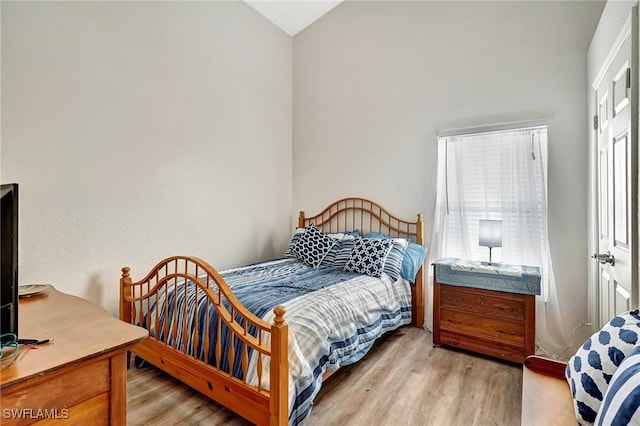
(403, 380)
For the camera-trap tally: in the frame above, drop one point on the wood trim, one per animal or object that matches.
(548, 366)
(247, 401)
(436, 311)
(279, 380)
(530, 325)
(118, 395)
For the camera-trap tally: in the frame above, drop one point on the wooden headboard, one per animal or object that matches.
(349, 214)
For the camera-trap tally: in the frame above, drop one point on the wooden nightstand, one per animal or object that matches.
(486, 309)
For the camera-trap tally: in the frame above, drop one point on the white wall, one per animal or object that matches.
(375, 81)
(139, 130)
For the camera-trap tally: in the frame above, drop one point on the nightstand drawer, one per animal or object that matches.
(482, 325)
(484, 344)
(490, 303)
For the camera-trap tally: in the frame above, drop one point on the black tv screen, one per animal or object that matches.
(9, 255)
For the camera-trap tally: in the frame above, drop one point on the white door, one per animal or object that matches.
(616, 175)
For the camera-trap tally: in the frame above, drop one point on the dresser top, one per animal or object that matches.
(501, 277)
(79, 329)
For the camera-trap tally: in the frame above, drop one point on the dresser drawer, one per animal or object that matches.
(484, 302)
(57, 391)
(483, 344)
(482, 325)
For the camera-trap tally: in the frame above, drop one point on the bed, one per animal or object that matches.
(256, 369)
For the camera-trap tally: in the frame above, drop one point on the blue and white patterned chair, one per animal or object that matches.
(600, 384)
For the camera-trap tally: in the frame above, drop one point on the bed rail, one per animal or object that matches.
(145, 302)
(359, 213)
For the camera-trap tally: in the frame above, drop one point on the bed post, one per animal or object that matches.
(125, 292)
(301, 220)
(279, 372)
(125, 307)
(418, 299)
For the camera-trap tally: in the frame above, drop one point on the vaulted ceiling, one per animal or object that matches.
(293, 15)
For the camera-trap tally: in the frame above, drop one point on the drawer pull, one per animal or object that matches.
(454, 321)
(510, 333)
(506, 308)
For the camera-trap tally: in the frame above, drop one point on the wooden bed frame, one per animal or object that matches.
(260, 404)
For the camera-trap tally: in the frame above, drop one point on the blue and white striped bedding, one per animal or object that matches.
(333, 316)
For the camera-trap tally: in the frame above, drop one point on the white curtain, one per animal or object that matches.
(498, 175)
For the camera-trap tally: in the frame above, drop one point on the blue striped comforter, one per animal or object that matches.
(333, 316)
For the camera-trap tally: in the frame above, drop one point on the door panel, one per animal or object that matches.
(622, 300)
(620, 89)
(604, 193)
(605, 290)
(620, 190)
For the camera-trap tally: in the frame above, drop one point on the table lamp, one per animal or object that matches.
(490, 235)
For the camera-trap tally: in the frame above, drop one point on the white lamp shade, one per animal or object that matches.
(490, 233)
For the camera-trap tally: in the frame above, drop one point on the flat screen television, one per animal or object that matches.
(9, 255)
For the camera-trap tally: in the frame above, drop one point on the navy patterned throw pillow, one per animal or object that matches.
(313, 246)
(621, 403)
(368, 256)
(393, 263)
(590, 370)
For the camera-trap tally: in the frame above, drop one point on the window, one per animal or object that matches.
(496, 175)
(502, 175)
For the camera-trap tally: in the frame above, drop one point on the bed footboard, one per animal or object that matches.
(177, 335)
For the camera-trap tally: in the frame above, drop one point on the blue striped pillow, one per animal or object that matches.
(393, 263)
(622, 399)
(344, 251)
(330, 258)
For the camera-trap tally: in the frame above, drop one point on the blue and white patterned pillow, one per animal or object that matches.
(412, 257)
(393, 263)
(313, 246)
(294, 241)
(330, 258)
(590, 370)
(343, 253)
(368, 256)
(621, 402)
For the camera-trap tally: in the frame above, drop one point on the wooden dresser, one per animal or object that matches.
(483, 311)
(81, 377)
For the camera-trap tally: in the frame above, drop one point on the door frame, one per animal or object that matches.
(629, 28)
